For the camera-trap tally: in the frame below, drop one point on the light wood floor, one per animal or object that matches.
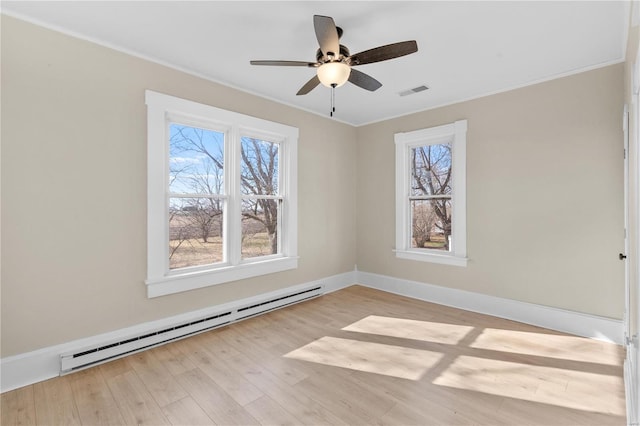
(356, 356)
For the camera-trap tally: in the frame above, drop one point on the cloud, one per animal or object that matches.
(184, 160)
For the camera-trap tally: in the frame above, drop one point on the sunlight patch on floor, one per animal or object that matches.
(396, 361)
(547, 345)
(566, 388)
(427, 331)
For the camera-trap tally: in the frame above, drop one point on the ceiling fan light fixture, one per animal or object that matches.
(334, 74)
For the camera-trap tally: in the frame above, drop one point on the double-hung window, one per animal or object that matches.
(221, 196)
(431, 194)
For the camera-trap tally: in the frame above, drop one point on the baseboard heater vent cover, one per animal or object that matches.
(92, 356)
(88, 357)
(277, 302)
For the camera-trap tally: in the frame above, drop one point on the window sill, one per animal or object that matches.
(176, 283)
(444, 259)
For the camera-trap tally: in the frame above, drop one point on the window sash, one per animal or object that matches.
(412, 231)
(279, 228)
(430, 197)
(196, 195)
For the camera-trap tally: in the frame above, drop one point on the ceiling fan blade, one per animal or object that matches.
(285, 63)
(363, 80)
(382, 53)
(327, 35)
(309, 86)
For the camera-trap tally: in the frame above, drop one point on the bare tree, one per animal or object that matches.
(431, 169)
(202, 216)
(181, 235)
(206, 211)
(259, 176)
(423, 222)
(178, 233)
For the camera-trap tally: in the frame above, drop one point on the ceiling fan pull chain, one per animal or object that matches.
(333, 100)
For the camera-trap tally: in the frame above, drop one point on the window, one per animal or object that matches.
(431, 194)
(221, 196)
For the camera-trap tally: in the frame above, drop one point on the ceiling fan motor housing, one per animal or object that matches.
(344, 53)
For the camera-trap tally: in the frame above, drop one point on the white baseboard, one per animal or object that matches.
(28, 368)
(577, 323)
(32, 367)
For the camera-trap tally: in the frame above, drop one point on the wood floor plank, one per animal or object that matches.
(298, 403)
(172, 358)
(403, 414)
(240, 389)
(136, 404)
(309, 411)
(158, 380)
(352, 407)
(186, 412)
(531, 413)
(18, 407)
(270, 358)
(213, 400)
(54, 403)
(256, 329)
(256, 332)
(94, 401)
(269, 412)
(450, 406)
(115, 368)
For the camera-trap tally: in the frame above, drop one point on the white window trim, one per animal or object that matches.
(456, 133)
(160, 280)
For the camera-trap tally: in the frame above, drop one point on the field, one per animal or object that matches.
(195, 252)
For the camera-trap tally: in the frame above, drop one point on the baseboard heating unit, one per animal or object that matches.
(98, 354)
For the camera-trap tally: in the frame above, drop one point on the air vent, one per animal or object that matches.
(414, 90)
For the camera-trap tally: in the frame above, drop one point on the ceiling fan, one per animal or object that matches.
(334, 63)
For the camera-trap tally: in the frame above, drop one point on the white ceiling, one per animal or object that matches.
(466, 49)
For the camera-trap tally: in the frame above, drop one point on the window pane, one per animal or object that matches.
(259, 228)
(431, 170)
(196, 159)
(259, 169)
(431, 224)
(195, 232)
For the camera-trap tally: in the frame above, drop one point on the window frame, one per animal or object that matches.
(455, 133)
(161, 111)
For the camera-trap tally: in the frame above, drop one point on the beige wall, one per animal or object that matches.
(544, 194)
(544, 191)
(74, 189)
